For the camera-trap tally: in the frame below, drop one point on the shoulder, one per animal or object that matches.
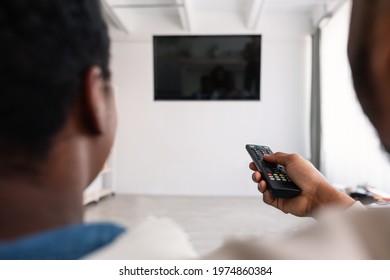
(152, 238)
(66, 243)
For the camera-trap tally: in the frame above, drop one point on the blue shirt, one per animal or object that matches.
(68, 243)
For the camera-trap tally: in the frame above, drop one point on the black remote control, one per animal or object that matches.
(278, 182)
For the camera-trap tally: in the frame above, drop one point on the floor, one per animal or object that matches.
(207, 220)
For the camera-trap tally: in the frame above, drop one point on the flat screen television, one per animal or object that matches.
(207, 67)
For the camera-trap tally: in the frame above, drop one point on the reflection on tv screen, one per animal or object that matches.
(207, 67)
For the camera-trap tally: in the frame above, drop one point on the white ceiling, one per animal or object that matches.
(135, 15)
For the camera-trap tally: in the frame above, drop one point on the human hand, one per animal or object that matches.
(316, 193)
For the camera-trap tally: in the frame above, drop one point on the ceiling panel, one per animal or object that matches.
(219, 5)
(138, 2)
(149, 21)
(297, 6)
(136, 14)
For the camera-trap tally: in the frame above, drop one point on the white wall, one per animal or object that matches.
(197, 148)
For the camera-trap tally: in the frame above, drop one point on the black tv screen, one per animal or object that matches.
(207, 67)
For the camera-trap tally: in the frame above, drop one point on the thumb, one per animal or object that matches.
(279, 158)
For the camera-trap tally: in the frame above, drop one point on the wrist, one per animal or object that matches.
(328, 196)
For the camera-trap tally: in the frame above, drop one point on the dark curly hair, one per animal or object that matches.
(46, 47)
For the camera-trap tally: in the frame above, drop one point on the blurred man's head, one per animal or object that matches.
(369, 54)
(54, 75)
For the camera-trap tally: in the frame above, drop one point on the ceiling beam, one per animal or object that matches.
(185, 13)
(255, 10)
(111, 18)
(328, 12)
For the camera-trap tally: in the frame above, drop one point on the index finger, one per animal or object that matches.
(253, 167)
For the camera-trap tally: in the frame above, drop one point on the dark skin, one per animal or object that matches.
(48, 193)
(369, 56)
(376, 101)
(51, 196)
(316, 190)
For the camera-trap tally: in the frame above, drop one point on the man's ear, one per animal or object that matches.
(94, 100)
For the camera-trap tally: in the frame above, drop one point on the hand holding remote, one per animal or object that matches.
(316, 193)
